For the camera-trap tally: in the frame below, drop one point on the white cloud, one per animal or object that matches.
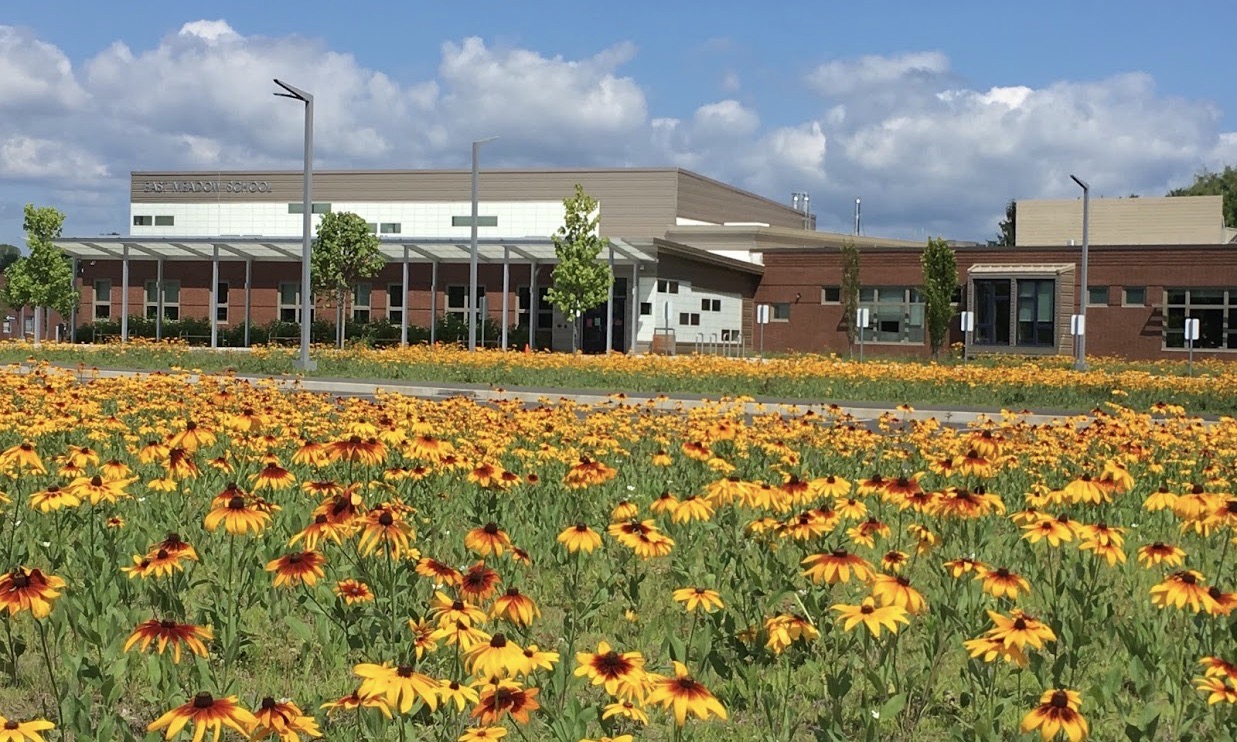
(925, 149)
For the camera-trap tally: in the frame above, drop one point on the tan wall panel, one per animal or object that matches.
(1193, 220)
(711, 201)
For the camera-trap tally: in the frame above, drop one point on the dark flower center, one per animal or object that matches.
(612, 663)
(1020, 624)
(1197, 489)
(687, 685)
(457, 605)
(386, 519)
(491, 529)
(21, 580)
(1215, 593)
(96, 481)
(1187, 578)
(161, 554)
(865, 610)
(320, 519)
(498, 641)
(10, 724)
(1002, 572)
(355, 440)
(839, 554)
(1158, 546)
(404, 671)
(203, 701)
(268, 703)
(27, 447)
(581, 527)
(236, 503)
(503, 697)
(903, 581)
(172, 538)
(166, 624)
(295, 558)
(513, 591)
(1060, 700)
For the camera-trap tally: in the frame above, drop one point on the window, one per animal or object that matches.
(1215, 310)
(289, 302)
(689, 318)
(545, 310)
(143, 221)
(298, 207)
(992, 307)
(896, 314)
(1097, 296)
(389, 228)
(781, 312)
(830, 294)
(102, 298)
(482, 221)
(1036, 312)
(221, 301)
(646, 308)
(165, 221)
(457, 300)
(732, 336)
(395, 303)
(362, 294)
(710, 305)
(1134, 296)
(171, 300)
(667, 287)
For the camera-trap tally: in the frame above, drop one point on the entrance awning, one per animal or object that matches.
(287, 249)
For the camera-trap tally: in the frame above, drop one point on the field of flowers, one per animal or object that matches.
(188, 559)
(1039, 383)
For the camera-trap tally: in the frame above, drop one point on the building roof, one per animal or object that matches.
(283, 249)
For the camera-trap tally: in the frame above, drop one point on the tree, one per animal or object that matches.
(940, 279)
(850, 289)
(581, 282)
(44, 278)
(1008, 226)
(344, 252)
(8, 255)
(1207, 183)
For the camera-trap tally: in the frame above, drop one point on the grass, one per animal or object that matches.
(1039, 384)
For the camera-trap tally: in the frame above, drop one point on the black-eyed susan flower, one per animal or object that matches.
(1020, 630)
(385, 529)
(479, 582)
(23, 456)
(283, 719)
(1002, 582)
(487, 539)
(238, 517)
(683, 694)
(837, 566)
(874, 618)
(515, 607)
(506, 698)
(609, 668)
(353, 592)
(627, 709)
(538, 659)
(989, 648)
(207, 713)
(12, 730)
(1181, 589)
(698, 597)
(624, 510)
(482, 734)
(355, 701)
(1058, 711)
(297, 568)
(959, 567)
(357, 450)
(1160, 553)
(692, 508)
(446, 610)
(460, 634)
(54, 498)
(498, 657)
(785, 629)
(666, 502)
(1218, 689)
(438, 571)
(401, 686)
(580, 538)
(31, 590)
(452, 692)
(272, 477)
(170, 632)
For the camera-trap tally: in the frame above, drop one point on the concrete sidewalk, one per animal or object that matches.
(862, 411)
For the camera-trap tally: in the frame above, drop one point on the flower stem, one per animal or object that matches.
(51, 670)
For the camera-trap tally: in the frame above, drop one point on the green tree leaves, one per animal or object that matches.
(850, 288)
(1207, 183)
(940, 279)
(344, 252)
(44, 278)
(580, 281)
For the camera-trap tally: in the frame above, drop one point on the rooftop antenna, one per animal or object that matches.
(801, 201)
(857, 218)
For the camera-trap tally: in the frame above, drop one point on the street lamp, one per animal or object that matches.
(304, 364)
(472, 259)
(1080, 363)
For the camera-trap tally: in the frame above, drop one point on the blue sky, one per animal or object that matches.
(935, 116)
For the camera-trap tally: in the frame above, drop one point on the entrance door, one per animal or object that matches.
(593, 324)
(992, 305)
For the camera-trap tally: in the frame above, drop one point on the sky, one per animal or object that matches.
(935, 114)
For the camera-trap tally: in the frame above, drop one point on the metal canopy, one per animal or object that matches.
(288, 249)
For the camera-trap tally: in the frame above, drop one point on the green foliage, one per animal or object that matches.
(1207, 183)
(44, 278)
(581, 282)
(850, 288)
(1008, 226)
(940, 278)
(8, 255)
(344, 252)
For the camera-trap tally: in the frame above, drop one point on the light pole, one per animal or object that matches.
(472, 259)
(1080, 363)
(305, 364)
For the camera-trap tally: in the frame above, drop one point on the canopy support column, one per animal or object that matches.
(73, 311)
(533, 312)
(124, 295)
(248, 287)
(403, 304)
(159, 299)
(506, 288)
(434, 302)
(635, 307)
(610, 307)
(214, 298)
